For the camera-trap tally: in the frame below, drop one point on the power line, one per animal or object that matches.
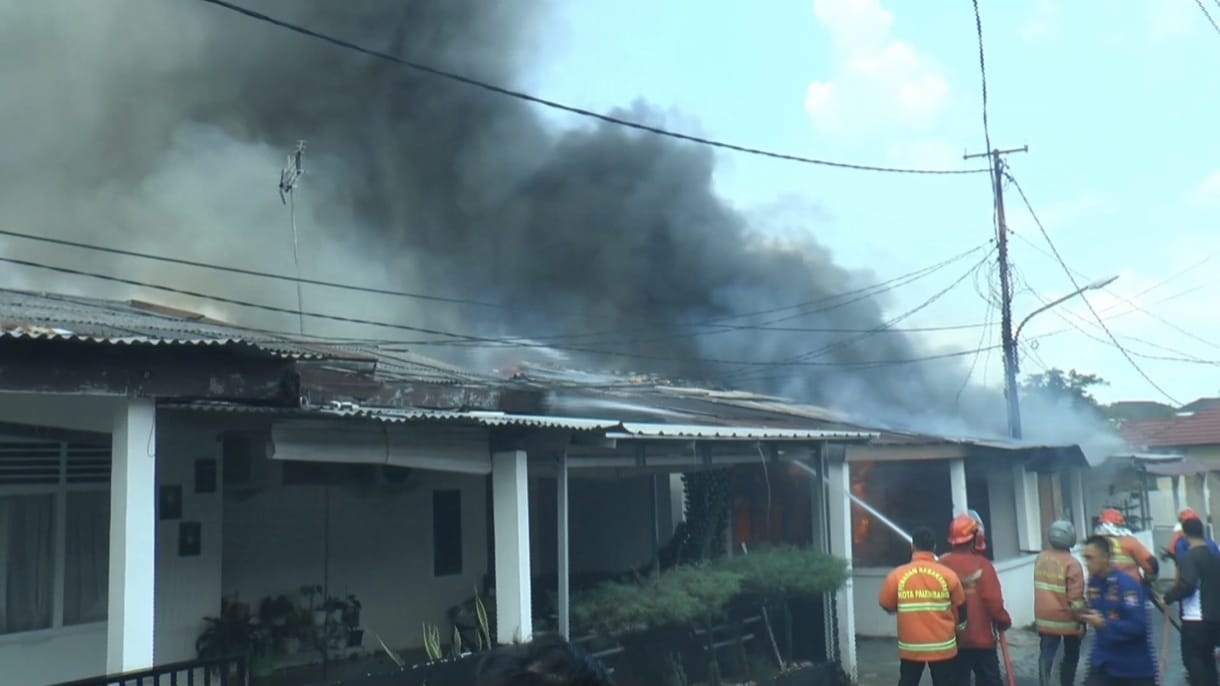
(831, 347)
(1207, 14)
(553, 104)
(1135, 306)
(1177, 355)
(1075, 284)
(823, 304)
(452, 335)
(978, 24)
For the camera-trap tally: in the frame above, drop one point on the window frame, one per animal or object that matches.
(59, 491)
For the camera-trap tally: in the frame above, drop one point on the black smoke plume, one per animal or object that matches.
(161, 125)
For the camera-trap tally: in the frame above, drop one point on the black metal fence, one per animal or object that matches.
(228, 671)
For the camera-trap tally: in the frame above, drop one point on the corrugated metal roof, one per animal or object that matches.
(694, 431)
(490, 419)
(43, 316)
(612, 427)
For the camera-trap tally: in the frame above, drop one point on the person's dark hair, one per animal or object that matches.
(922, 539)
(1100, 542)
(1193, 528)
(545, 661)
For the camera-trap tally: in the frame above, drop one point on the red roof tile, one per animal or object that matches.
(1200, 428)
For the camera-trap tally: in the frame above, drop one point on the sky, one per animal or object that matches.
(1112, 98)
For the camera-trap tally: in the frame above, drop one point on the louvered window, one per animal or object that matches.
(54, 534)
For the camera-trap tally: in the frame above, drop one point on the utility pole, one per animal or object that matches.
(1007, 339)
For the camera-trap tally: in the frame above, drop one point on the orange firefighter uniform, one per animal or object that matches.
(984, 600)
(1058, 593)
(1127, 554)
(927, 597)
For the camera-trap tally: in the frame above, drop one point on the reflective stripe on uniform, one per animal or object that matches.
(925, 607)
(1062, 626)
(1043, 586)
(928, 647)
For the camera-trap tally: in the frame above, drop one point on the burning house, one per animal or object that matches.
(433, 216)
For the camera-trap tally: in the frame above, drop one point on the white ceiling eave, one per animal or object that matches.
(454, 449)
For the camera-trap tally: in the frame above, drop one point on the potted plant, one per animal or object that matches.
(351, 620)
(313, 594)
(234, 633)
(300, 631)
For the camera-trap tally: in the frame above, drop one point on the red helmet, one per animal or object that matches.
(1113, 517)
(963, 529)
(1186, 514)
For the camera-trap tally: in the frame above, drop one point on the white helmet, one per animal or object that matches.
(1062, 535)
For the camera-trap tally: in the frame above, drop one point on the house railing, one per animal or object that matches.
(225, 671)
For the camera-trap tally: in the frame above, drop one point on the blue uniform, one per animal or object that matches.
(1123, 647)
(1183, 545)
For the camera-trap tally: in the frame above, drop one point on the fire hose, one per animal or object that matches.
(1012, 679)
(863, 505)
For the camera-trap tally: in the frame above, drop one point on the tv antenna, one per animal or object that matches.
(290, 177)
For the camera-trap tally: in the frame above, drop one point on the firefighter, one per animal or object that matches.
(931, 607)
(1058, 604)
(976, 646)
(1127, 554)
(1122, 645)
(1179, 543)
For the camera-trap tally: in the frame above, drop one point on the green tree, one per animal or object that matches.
(1071, 386)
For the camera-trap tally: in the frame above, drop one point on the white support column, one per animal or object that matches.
(133, 520)
(841, 545)
(510, 503)
(1179, 494)
(1080, 511)
(677, 501)
(1207, 502)
(1029, 517)
(957, 486)
(564, 601)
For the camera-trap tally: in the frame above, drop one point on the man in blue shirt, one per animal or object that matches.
(1122, 645)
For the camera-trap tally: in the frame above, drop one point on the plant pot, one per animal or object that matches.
(262, 667)
(355, 638)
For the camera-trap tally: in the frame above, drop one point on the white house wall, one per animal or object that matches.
(188, 588)
(42, 657)
(74, 412)
(1002, 536)
(48, 657)
(380, 550)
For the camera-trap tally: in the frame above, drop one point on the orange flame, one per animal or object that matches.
(862, 523)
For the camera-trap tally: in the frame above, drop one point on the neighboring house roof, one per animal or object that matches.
(1201, 405)
(1191, 430)
(1140, 410)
